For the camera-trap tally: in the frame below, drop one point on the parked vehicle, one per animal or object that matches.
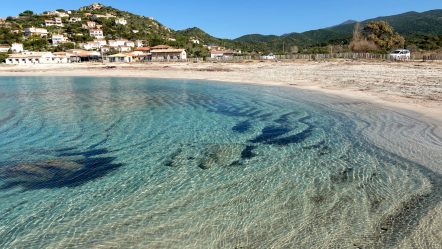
(400, 54)
(268, 57)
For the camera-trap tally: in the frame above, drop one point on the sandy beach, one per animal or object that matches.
(415, 86)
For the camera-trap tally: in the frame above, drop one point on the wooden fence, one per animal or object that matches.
(350, 56)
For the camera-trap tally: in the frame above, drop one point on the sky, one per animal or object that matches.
(234, 18)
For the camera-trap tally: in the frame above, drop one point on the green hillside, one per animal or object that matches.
(421, 29)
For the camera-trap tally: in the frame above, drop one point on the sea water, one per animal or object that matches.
(149, 163)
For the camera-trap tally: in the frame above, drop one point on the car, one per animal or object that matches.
(268, 57)
(400, 54)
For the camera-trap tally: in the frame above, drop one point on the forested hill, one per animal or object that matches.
(421, 29)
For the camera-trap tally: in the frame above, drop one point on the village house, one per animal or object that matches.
(4, 48)
(168, 54)
(194, 41)
(93, 45)
(105, 49)
(124, 48)
(139, 56)
(35, 31)
(37, 58)
(161, 47)
(89, 25)
(17, 48)
(120, 21)
(221, 54)
(139, 43)
(58, 39)
(122, 58)
(63, 14)
(106, 16)
(101, 42)
(135, 31)
(54, 22)
(97, 33)
(89, 46)
(117, 43)
(80, 55)
(129, 44)
(56, 13)
(75, 19)
(143, 49)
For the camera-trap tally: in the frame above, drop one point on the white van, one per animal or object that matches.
(400, 54)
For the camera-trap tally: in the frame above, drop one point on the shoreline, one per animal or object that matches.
(424, 105)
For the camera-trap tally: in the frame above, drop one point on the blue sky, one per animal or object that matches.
(233, 18)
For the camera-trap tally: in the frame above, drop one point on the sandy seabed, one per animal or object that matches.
(413, 90)
(414, 86)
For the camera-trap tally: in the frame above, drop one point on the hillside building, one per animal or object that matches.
(54, 22)
(4, 48)
(75, 19)
(35, 31)
(58, 39)
(120, 21)
(96, 33)
(168, 54)
(37, 58)
(17, 47)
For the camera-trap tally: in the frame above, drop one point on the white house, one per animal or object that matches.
(218, 54)
(105, 49)
(89, 45)
(168, 54)
(54, 22)
(35, 31)
(120, 21)
(89, 25)
(17, 47)
(195, 41)
(4, 48)
(97, 33)
(75, 19)
(37, 58)
(129, 44)
(96, 44)
(101, 42)
(139, 43)
(118, 42)
(119, 58)
(56, 13)
(106, 16)
(124, 48)
(58, 39)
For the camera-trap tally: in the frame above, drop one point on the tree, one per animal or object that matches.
(360, 43)
(26, 13)
(383, 35)
(36, 43)
(3, 57)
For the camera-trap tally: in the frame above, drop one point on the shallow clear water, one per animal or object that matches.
(119, 162)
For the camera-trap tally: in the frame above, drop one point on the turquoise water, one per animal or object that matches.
(122, 162)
